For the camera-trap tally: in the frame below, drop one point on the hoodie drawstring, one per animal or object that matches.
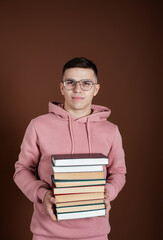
(71, 135)
(88, 135)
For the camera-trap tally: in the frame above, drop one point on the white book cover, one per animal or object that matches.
(84, 214)
(79, 159)
(92, 168)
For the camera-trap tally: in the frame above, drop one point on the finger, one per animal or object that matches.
(108, 206)
(53, 217)
(107, 203)
(53, 200)
(51, 214)
(106, 195)
(107, 210)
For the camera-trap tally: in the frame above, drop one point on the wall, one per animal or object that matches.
(123, 38)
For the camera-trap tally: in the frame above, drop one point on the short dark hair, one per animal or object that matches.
(80, 62)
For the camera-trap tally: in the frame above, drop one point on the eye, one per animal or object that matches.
(70, 82)
(87, 83)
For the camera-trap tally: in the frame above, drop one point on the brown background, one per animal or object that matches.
(123, 38)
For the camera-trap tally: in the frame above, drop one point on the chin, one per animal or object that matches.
(78, 106)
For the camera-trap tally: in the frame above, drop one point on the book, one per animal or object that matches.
(77, 203)
(79, 197)
(82, 214)
(79, 159)
(80, 175)
(78, 190)
(77, 183)
(93, 168)
(80, 208)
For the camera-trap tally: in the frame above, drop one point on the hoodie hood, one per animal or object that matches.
(99, 113)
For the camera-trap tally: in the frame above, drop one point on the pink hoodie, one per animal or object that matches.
(58, 132)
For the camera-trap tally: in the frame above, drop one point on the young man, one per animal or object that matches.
(75, 126)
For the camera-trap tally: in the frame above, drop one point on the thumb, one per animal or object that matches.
(52, 200)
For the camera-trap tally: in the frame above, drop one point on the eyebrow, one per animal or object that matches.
(71, 79)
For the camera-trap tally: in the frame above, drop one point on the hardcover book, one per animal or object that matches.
(77, 203)
(79, 175)
(80, 208)
(79, 159)
(82, 214)
(93, 168)
(79, 197)
(77, 183)
(78, 190)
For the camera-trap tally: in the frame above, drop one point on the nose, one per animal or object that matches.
(77, 87)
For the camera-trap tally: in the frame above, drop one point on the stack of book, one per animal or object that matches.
(78, 185)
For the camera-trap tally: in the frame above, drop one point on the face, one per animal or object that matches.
(78, 99)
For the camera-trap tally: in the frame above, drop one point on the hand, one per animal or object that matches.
(107, 201)
(48, 202)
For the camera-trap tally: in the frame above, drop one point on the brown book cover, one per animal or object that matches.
(78, 190)
(79, 197)
(64, 184)
(80, 175)
(77, 203)
(77, 183)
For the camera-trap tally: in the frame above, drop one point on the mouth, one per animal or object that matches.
(77, 98)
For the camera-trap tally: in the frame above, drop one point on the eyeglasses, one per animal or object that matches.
(85, 85)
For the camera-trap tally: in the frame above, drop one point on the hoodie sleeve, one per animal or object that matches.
(116, 169)
(25, 167)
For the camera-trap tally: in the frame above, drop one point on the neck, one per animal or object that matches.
(78, 113)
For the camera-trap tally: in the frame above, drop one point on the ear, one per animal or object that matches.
(96, 89)
(61, 88)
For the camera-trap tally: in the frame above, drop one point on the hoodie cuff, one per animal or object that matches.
(41, 194)
(111, 190)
